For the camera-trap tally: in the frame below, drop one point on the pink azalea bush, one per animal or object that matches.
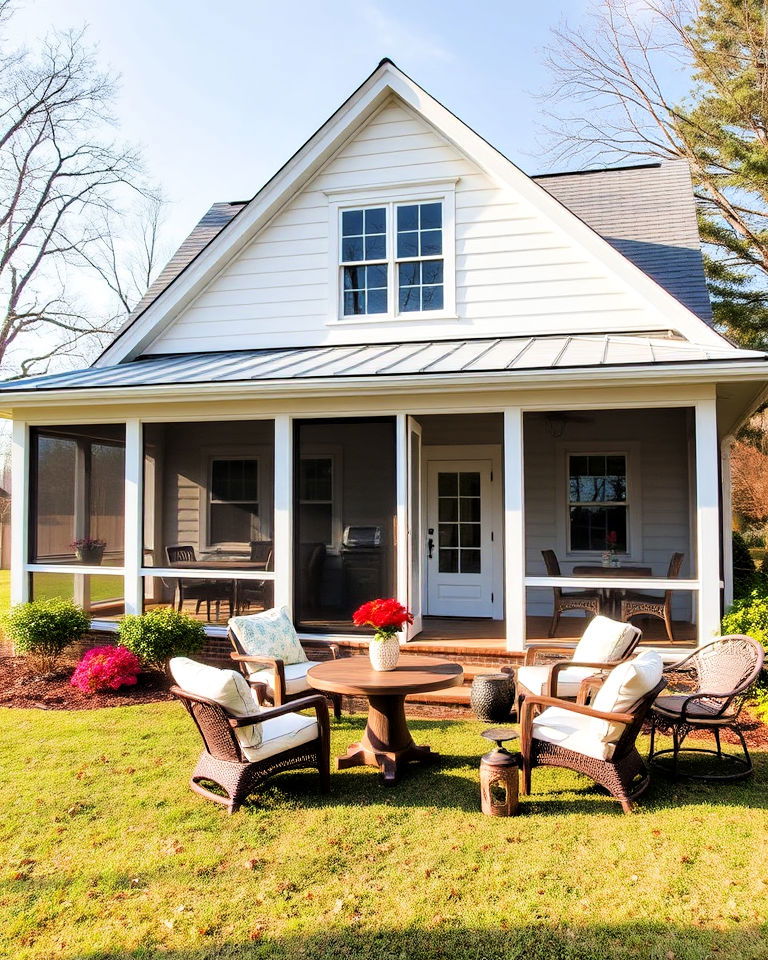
(106, 668)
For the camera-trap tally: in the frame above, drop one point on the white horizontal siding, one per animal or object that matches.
(515, 273)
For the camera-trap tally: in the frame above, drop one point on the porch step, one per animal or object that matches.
(453, 696)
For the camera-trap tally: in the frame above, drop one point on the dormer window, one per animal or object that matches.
(395, 255)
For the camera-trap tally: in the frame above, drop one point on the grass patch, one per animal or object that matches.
(105, 853)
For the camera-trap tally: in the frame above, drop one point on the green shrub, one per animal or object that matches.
(744, 572)
(42, 629)
(749, 616)
(158, 635)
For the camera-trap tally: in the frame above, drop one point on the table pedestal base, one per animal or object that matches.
(387, 742)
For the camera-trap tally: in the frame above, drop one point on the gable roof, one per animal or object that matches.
(387, 81)
(648, 214)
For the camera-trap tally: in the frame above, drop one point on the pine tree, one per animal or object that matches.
(721, 128)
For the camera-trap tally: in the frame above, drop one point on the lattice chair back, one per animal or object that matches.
(727, 668)
(261, 551)
(181, 554)
(212, 722)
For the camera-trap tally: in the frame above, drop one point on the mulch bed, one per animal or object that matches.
(20, 686)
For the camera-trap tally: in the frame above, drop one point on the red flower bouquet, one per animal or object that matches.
(386, 617)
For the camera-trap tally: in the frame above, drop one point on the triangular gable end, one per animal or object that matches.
(386, 83)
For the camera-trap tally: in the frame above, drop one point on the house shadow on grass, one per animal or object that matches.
(446, 937)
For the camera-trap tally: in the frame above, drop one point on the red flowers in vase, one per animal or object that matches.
(386, 617)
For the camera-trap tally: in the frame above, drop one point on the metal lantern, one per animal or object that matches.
(499, 778)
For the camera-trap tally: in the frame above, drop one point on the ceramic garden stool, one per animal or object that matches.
(499, 777)
(491, 697)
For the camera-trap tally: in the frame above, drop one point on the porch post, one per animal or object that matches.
(726, 506)
(401, 500)
(708, 528)
(134, 526)
(514, 529)
(283, 522)
(19, 512)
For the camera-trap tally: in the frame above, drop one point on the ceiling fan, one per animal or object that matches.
(557, 420)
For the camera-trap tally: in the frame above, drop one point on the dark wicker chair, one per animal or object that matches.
(201, 591)
(723, 673)
(257, 593)
(278, 693)
(624, 776)
(587, 600)
(648, 605)
(222, 761)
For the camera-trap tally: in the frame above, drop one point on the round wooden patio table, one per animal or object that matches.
(387, 742)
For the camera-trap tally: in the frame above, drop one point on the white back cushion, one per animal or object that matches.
(604, 641)
(226, 687)
(623, 687)
(269, 634)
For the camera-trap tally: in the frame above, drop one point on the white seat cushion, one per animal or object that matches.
(269, 634)
(295, 676)
(568, 681)
(282, 733)
(604, 641)
(623, 687)
(571, 731)
(226, 687)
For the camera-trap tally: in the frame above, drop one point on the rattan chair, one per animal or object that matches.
(223, 762)
(201, 591)
(624, 775)
(270, 681)
(587, 600)
(723, 673)
(649, 605)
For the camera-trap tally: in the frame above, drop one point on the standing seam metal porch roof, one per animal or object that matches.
(490, 355)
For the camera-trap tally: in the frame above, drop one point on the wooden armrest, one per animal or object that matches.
(315, 701)
(578, 708)
(248, 658)
(333, 648)
(555, 669)
(531, 651)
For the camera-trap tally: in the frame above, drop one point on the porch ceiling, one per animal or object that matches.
(427, 358)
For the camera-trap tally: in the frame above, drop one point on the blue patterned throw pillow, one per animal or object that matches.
(269, 634)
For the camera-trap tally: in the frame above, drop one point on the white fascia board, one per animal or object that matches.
(652, 375)
(368, 98)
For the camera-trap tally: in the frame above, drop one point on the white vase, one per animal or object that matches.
(384, 653)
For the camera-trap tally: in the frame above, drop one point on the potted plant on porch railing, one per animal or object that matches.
(89, 550)
(387, 617)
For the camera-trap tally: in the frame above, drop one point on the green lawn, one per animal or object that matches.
(105, 853)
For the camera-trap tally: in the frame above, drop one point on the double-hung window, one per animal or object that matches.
(598, 502)
(233, 501)
(395, 257)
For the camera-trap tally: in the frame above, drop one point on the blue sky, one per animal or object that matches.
(220, 94)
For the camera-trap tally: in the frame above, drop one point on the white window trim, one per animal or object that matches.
(389, 196)
(629, 450)
(263, 457)
(333, 453)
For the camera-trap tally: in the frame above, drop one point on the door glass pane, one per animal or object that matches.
(459, 498)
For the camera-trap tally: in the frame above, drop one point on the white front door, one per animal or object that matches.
(460, 538)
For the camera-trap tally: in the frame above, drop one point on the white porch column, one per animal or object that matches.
(401, 497)
(514, 529)
(726, 506)
(19, 512)
(283, 522)
(134, 519)
(708, 527)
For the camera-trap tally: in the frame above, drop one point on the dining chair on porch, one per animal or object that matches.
(651, 605)
(587, 600)
(201, 591)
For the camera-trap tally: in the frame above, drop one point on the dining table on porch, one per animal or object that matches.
(225, 563)
(611, 596)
